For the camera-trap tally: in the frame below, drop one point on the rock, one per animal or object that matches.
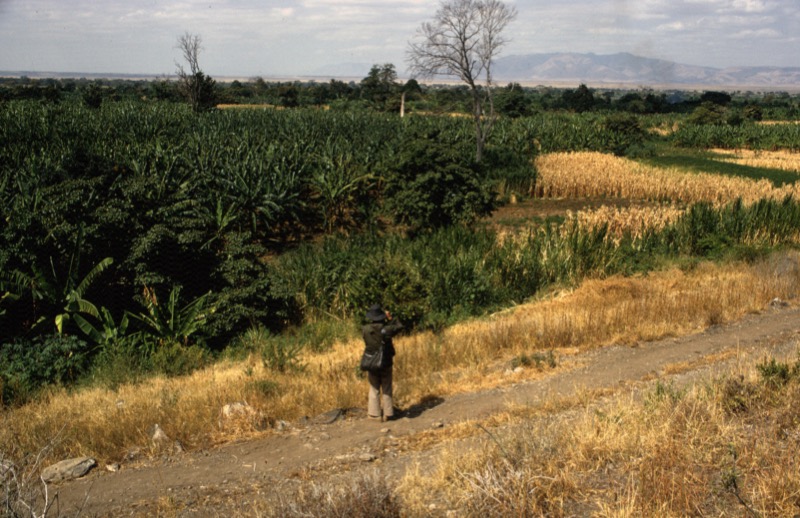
(239, 408)
(133, 454)
(367, 457)
(157, 435)
(112, 467)
(328, 417)
(68, 469)
(281, 426)
(778, 303)
(437, 424)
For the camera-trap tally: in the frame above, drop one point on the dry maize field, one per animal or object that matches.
(783, 160)
(598, 175)
(593, 175)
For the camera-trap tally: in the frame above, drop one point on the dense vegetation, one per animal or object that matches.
(136, 231)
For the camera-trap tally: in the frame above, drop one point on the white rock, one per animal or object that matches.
(68, 469)
(367, 457)
(157, 435)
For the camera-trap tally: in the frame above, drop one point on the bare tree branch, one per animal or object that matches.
(463, 40)
(194, 85)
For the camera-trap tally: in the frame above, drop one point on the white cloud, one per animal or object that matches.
(264, 37)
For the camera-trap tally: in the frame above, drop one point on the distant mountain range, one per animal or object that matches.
(557, 69)
(615, 70)
(628, 69)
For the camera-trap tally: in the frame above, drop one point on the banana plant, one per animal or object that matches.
(73, 294)
(108, 332)
(67, 292)
(169, 322)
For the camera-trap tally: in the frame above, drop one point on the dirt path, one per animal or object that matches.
(225, 480)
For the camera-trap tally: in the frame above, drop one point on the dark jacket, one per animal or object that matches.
(377, 334)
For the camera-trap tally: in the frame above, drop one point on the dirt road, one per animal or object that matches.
(225, 481)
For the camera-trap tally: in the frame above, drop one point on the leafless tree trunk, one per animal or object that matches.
(463, 40)
(189, 83)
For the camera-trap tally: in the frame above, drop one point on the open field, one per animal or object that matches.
(280, 225)
(644, 429)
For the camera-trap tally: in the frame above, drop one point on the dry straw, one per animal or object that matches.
(597, 175)
(107, 423)
(783, 160)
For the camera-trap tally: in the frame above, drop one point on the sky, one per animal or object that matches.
(279, 38)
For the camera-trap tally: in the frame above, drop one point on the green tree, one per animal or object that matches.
(433, 186)
(380, 86)
(512, 102)
(579, 100)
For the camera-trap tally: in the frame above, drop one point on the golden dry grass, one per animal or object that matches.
(593, 175)
(783, 160)
(104, 423)
(724, 448)
(633, 221)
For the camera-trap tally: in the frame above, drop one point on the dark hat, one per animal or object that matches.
(375, 313)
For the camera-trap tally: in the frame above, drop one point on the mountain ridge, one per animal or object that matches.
(626, 68)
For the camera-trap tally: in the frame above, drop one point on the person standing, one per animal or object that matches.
(378, 333)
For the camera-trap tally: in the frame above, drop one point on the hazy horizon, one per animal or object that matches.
(250, 38)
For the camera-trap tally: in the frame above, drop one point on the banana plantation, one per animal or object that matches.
(144, 235)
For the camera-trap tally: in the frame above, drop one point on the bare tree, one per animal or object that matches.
(194, 85)
(463, 40)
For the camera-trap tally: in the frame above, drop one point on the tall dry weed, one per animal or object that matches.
(108, 423)
(674, 452)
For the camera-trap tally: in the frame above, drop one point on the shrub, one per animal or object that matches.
(625, 133)
(775, 373)
(174, 359)
(26, 366)
(367, 496)
(434, 185)
(278, 353)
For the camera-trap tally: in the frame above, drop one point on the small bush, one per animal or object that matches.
(538, 360)
(368, 496)
(122, 361)
(26, 366)
(278, 353)
(777, 374)
(174, 359)
(262, 387)
(664, 392)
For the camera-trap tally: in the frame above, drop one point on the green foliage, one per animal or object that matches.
(219, 204)
(175, 359)
(707, 113)
(511, 101)
(26, 366)
(627, 134)
(169, 323)
(434, 185)
(777, 374)
(579, 100)
(380, 87)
